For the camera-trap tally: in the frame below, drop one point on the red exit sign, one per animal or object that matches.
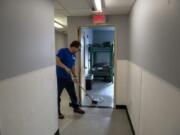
(99, 19)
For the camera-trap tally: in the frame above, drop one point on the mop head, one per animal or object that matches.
(96, 100)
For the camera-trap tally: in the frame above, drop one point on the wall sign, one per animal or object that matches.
(99, 19)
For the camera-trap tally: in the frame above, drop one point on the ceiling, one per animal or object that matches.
(64, 8)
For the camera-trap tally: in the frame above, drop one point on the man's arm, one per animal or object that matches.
(74, 75)
(59, 63)
(73, 72)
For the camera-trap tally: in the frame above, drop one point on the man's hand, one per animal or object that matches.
(75, 80)
(67, 70)
(59, 63)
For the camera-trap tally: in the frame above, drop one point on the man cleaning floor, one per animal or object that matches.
(65, 60)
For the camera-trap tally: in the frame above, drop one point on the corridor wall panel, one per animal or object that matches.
(154, 51)
(122, 34)
(60, 40)
(26, 36)
(28, 103)
(28, 86)
(155, 38)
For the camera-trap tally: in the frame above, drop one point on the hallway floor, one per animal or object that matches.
(96, 121)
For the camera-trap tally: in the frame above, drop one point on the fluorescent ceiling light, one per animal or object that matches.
(98, 5)
(57, 25)
(61, 20)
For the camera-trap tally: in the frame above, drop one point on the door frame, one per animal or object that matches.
(114, 59)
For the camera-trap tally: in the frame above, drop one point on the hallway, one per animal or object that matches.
(96, 121)
(146, 66)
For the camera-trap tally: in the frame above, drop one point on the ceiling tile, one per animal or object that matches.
(57, 5)
(61, 13)
(118, 3)
(74, 4)
(80, 12)
(116, 11)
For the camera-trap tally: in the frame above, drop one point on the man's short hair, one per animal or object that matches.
(76, 44)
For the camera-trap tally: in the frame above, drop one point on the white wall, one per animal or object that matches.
(0, 119)
(154, 75)
(122, 30)
(122, 82)
(159, 106)
(60, 40)
(153, 103)
(134, 94)
(28, 103)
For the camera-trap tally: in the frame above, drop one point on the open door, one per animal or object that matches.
(96, 65)
(82, 63)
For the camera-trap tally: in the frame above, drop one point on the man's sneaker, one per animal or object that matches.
(61, 116)
(79, 110)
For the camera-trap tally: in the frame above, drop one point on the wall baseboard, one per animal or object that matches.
(92, 106)
(121, 107)
(129, 118)
(57, 132)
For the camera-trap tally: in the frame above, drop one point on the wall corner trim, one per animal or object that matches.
(129, 118)
(121, 107)
(57, 132)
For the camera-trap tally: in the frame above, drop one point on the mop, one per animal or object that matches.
(93, 100)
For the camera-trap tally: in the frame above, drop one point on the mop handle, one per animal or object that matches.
(84, 90)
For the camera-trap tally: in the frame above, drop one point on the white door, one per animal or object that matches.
(82, 63)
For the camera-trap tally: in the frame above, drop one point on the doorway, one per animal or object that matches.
(97, 66)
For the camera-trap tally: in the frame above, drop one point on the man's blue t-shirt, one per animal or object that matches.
(68, 59)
